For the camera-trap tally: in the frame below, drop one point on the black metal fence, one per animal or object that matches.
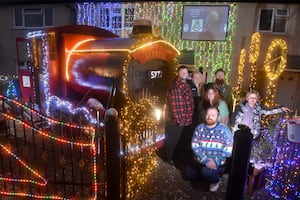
(47, 158)
(44, 158)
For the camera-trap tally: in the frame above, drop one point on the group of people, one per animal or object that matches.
(200, 123)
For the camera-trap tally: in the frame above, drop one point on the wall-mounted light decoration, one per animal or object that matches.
(253, 56)
(275, 63)
(210, 55)
(237, 91)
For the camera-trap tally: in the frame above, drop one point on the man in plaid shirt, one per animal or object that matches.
(179, 112)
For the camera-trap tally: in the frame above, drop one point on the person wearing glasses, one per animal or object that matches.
(249, 113)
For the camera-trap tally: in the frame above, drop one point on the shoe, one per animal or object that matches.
(225, 178)
(214, 186)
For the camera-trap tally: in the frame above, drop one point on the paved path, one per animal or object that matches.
(166, 183)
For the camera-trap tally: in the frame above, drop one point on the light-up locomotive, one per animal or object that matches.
(84, 66)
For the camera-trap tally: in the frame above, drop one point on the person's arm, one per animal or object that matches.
(228, 144)
(234, 115)
(285, 109)
(186, 104)
(272, 111)
(225, 120)
(224, 112)
(197, 146)
(176, 103)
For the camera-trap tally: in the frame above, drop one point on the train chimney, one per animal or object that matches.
(142, 26)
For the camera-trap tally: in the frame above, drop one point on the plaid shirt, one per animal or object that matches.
(180, 103)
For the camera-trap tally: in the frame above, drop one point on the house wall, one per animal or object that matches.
(64, 14)
(247, 18)
(246, 25)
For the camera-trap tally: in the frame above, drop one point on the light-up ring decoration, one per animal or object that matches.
(272, 71)
(254, 48)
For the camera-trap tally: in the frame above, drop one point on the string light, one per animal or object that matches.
(283, 182)
(141, 154)
(253, 56)
(12, 89)
(34, 34)
(273, 68)
(39, 131)
(58, 104)
(281, 159)
(43, 69)
(51, 120)
(70, 54)
(210, 55)
(138, 127)
(237, 91)
(44, 75)
(44, 181)
(167, 16)
(135, 120)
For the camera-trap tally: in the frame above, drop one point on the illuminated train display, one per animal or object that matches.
(78, 63)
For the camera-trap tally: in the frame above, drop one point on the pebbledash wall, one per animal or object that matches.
(166, 19)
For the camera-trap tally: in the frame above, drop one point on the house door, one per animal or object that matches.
(25, 71)
(286, 90)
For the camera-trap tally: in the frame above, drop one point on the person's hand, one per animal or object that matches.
(285, 109)
(211, 164)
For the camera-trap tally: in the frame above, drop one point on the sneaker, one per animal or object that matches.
(225, 178)
(214, 186)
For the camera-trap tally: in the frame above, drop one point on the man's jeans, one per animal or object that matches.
(197, 171)
(172, 135)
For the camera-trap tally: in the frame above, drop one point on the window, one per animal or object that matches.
(128, 17)
(115, 17)
(104, 17)
(273, 20)
(31, 18)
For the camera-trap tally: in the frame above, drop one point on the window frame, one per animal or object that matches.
(275, 17)
(117, 18)
(30, 11)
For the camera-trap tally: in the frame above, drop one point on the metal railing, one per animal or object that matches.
(42, 157)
